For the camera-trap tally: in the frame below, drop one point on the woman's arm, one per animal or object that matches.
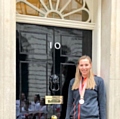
(102, 99)
(69, 102)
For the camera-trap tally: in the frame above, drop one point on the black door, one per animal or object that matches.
(46, 60)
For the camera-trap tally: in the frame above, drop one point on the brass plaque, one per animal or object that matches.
(53, 99)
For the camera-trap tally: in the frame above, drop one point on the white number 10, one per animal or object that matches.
(57, 45)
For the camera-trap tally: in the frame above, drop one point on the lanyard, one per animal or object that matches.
(82, 89)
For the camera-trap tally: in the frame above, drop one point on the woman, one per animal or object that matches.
(86, 96)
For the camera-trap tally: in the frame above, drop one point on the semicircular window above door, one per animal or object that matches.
(76, 10)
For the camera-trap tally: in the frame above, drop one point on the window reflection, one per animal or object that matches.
(36, 62)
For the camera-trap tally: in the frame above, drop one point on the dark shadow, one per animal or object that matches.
(57, 59)
(69, 73)
(21, 68)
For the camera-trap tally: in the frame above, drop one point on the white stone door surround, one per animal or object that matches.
(8, 21)
(105, 52)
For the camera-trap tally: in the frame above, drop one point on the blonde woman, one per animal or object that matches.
(86, 95)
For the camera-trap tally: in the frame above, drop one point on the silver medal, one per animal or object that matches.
(81, 101)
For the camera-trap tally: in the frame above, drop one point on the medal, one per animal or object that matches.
(81, 101)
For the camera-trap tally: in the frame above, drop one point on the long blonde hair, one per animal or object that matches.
(78, 76)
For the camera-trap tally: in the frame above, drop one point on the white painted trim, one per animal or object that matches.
(54, 22)
(90, 7)
(96, 44)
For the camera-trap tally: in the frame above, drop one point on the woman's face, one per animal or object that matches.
(84, 67)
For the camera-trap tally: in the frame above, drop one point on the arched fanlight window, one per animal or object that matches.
(78, 10)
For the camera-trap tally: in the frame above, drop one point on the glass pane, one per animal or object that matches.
(33, 42)
(33, 79)
(58, 9)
